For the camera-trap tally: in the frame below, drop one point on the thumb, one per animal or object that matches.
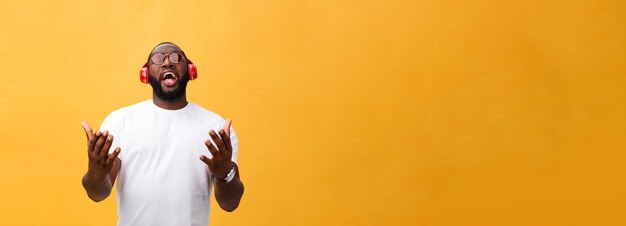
(227, 126)
(88, 131)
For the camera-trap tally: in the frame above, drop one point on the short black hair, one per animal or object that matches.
(163, 43)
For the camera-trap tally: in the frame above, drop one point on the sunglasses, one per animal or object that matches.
(159, 58)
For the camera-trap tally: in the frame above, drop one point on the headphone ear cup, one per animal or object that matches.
(192, 71)
(143, 74)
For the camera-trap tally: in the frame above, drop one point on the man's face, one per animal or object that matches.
(168, 80)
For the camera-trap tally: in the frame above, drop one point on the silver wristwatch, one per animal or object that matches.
(229, 177)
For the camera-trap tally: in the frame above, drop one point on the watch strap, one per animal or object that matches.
(229, 177)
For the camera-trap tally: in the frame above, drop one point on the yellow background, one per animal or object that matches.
(348, 112)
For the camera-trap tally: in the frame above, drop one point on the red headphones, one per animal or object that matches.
(191, 69)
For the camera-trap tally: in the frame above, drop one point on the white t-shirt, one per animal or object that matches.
(162, 181)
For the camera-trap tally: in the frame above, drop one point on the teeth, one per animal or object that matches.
(168, 74)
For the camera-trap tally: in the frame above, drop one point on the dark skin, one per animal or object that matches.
(103, 167)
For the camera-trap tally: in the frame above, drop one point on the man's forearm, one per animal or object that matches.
(229, 194)
(97, 189)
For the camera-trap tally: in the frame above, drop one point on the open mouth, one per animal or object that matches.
(169, 79)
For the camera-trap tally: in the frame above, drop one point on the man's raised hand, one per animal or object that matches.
(100, 161)
(220, 164)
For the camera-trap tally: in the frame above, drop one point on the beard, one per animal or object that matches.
(173, 95)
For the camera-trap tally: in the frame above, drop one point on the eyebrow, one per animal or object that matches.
(175, 51)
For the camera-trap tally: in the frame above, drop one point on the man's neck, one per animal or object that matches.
(170, 104)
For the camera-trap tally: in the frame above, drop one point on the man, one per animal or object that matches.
(157, 150)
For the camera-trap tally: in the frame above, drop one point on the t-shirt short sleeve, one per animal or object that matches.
(113, 124)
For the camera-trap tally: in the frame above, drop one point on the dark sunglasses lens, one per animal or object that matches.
(158, 58)
(176, 58)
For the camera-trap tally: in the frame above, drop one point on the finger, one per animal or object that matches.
(113, 156)
(227, 126)
(206, 160)
(98, 148)
(226, 139)
(104, 153)
(88, 130)
(212, 148)
(92, 144)
(217, 140)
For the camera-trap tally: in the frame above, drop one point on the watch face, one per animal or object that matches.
(230, 175)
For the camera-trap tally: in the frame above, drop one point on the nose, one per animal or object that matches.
(167, 63)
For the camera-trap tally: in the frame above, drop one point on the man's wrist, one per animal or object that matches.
(230, 175)
(96, 177)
